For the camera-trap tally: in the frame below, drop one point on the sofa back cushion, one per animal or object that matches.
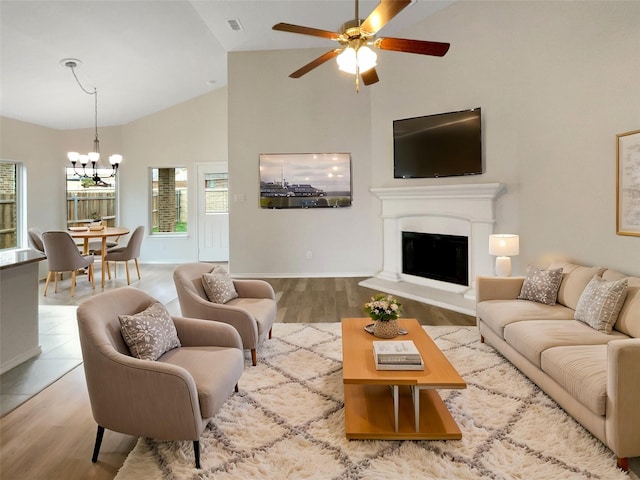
(574, 280)
(629, 316)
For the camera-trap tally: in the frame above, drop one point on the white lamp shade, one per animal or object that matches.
(347, 60)
(504, 245)
(73, 156)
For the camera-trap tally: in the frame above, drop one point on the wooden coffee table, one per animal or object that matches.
(395, 404)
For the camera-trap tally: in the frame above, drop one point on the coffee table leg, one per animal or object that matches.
(395, 405)
(416, 405)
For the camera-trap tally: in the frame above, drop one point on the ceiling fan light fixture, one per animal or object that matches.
(351, 60)
(366, 58)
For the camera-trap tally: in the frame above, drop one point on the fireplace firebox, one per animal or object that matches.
(436, 256)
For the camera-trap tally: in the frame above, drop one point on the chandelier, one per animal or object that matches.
(93, 156)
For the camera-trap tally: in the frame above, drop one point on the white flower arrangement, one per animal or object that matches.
(383, 307)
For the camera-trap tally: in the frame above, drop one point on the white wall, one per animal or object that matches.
(556, 84)
(320, 113)
(181, 136)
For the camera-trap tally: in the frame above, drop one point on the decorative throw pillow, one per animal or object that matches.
(218, 286)
(600, 303)
(541, 285)
(150, 333)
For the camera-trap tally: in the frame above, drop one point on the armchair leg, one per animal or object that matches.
(96, 448)
(270, 330)
(254, 357)
(236, 389)
(196, 451)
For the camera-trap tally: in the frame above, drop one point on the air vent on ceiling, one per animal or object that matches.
(234, 24)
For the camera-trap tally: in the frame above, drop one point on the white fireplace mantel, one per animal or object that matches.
(462, 209)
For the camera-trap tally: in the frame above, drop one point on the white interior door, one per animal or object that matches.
(213, 212)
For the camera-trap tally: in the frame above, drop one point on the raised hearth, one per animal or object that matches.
(464, 210)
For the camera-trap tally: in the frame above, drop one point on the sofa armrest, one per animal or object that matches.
(254, 289)
(623, 394)
(194, 332)
(497, 288)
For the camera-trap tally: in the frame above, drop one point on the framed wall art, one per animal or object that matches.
(628, 183)
(305, 180)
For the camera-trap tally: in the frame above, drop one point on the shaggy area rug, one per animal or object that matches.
(287, 422)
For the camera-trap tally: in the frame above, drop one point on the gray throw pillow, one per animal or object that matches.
(600, 303)
(541, 285)
(218, 286)
(150, 333)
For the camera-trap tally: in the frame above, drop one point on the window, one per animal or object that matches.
(87, 201)
(9, 204)
(169, 200)
(216, 193)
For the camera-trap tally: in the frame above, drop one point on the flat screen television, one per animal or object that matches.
(441, 145)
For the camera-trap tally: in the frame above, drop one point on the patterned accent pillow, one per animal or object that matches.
(150, 333)
(600, 303)
(541, 285)
(218, 286)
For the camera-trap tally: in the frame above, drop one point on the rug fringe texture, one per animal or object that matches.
(287, 422)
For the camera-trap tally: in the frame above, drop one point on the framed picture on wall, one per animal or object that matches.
(305, 180)
(628, 183)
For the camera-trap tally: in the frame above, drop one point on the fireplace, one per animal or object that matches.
(435, 256)
(465, 210)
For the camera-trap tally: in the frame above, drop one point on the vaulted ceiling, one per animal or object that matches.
(145, 56)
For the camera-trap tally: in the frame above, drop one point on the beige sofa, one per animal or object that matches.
(593, 376)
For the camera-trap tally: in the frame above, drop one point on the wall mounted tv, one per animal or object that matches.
(441, 145)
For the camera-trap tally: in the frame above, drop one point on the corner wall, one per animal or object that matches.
(319, 113)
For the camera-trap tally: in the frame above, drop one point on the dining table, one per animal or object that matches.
(86, 233)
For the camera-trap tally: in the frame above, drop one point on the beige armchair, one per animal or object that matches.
(252, 313)
(170, 398)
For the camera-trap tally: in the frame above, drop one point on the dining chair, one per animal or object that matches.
(63, 256)
(35, 239)
(130, 251)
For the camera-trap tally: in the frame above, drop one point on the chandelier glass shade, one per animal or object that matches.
(92, 157)
(353, 60)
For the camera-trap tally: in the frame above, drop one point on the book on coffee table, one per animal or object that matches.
(397, 355)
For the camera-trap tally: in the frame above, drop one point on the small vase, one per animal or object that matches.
(386, 329)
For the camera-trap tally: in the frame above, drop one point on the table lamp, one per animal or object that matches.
(504, 246)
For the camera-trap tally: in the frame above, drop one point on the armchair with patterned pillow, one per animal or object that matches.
(207, 291)
(152, 375)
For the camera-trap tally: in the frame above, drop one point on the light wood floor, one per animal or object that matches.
(51, 436)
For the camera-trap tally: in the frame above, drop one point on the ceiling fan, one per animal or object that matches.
(357, 36)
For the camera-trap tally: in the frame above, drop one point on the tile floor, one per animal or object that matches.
(60, 353)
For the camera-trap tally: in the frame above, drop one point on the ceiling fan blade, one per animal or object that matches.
(370, 76)
(316, 32)
(316, 63)
(385, 11)
(422, 47)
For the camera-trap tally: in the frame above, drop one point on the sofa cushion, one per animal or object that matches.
(150, 333)
(601, 302)
(629, 316)
(541, 285)
(532, 338)
(574, 280)
(213, 369)
(581, 371)
(218, 286)
(499, 313)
